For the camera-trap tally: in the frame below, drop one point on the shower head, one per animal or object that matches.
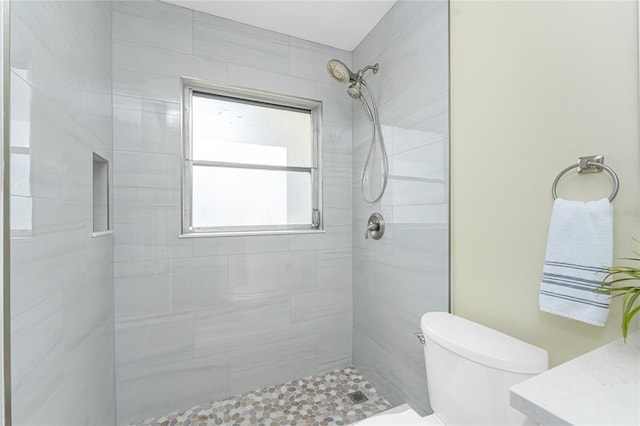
(340, 71)
(354, 90)
(343, 74)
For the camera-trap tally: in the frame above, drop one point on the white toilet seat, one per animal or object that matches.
(402, 415)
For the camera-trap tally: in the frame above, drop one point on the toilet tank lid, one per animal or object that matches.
(483, 345)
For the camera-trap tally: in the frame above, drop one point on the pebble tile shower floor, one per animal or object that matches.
(312, 401)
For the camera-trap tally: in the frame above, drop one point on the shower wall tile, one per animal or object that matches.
(148, 126)
(174, 385)
(56, 46)
(61, 278)
(335, 237)
(146, 170)
(411, 192)
(154, 341)
(154, 73)
(337, 216)
(378, 40)
(227, 327)
(321, 311)
(369, 305)
(406, 10)
(271, 363)
(382, 359)
(406, 139)
(309, 60)
(156, 287)
(255, 276)
(226, 41)
(423, 27)
(131, 196)
(144, 288)
(88, 301)
(80, 365)
(405, 274)
(333, 195)
(337, 149)
(31, 257)
(37, 354)
(434, 106)
(334, 269)
(332, 349)
(337, 119)
(127, 122)
(242, 76)
(240, 245)
(411, 163)
(156, 25)
(206, 279)
(142, 233)
(232, 297)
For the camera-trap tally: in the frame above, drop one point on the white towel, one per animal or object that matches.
(579, 246)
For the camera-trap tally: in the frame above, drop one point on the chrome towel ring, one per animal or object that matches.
(590, 164)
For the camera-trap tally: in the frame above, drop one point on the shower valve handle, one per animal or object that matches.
(371, 228)
(375, 227)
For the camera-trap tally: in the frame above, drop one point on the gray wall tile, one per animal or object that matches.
(157, 25)
(238, 290)
(226, 41)
(405, 274)
(61, 278)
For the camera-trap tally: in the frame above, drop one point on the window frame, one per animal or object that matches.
(261, 98)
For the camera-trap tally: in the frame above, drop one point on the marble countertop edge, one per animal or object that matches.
(601, 387)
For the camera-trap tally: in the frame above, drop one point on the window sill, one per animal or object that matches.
(251, 233)
(101, 233)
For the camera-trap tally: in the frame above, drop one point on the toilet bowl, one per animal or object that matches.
(470, 369)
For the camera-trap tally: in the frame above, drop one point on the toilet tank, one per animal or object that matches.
(470, 369)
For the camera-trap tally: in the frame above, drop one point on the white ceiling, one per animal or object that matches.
(342, 23)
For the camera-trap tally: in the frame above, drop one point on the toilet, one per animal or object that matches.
(470, 369)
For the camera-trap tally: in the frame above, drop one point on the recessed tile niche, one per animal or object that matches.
(100, 194)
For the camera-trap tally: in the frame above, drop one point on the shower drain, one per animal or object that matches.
(357, 397)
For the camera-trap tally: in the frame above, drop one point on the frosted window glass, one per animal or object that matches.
(251, 161)
(220, 197)
(234, 131)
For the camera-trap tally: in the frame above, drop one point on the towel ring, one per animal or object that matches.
(587, 165)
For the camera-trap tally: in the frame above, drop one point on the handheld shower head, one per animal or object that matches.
(354, 90)
(338, 70)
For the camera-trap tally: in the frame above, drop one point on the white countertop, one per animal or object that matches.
(601, 387)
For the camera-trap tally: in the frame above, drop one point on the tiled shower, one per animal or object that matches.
(115, 327)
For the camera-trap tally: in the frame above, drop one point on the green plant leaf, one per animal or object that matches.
(616, 283)
(627, 320)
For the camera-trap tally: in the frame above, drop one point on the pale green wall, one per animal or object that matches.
(535, 85)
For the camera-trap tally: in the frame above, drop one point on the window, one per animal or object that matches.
(251, 161)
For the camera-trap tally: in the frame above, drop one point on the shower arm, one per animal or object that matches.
(374, 68)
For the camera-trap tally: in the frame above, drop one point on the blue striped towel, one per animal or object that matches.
(579, 246)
